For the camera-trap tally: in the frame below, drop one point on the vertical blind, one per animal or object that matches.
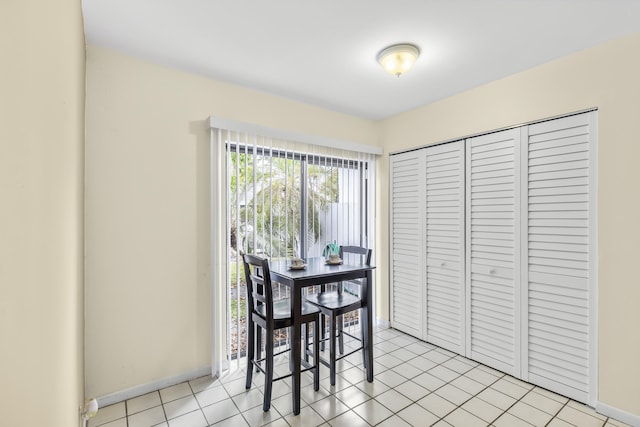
(278, 199)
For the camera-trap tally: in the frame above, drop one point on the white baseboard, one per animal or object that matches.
(618, 414)
(139, 390)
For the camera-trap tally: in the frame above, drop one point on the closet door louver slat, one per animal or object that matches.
(492, 194)
(444, 236)
(407, 253)
(558, 260)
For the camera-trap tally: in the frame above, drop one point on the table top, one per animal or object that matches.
(317, 268)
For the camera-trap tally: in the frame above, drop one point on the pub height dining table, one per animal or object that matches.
(318, 272)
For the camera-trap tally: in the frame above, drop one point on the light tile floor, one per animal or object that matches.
(416, 384)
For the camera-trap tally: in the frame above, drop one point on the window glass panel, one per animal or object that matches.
(281, 204)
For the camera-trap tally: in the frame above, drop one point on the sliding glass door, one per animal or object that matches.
(286, 200)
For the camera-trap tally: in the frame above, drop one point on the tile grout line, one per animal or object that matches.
(557, 413)
(475, 395)
(166, 418)
(407, 376)
(514, 404)
(427, 371)
(409, 379)
(374, 397)
(193, 393)
(430, 392)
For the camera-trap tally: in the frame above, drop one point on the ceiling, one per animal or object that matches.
(324, 52)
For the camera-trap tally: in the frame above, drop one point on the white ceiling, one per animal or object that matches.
(323, 52)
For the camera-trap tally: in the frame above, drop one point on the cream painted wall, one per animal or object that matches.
(606, 77)
(147, 248)
(148, 298)
(41, 226)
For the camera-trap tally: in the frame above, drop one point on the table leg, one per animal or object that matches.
(295, 348)
(368, 336)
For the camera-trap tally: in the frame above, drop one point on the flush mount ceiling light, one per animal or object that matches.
(399, 58)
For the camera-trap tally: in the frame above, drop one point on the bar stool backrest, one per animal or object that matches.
(259, 291)
(365, 254)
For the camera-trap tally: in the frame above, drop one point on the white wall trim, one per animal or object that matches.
(618, 414)
(288, 135)
(473, 135)
(382, 323)
(139, 390)
(593, 258)
(218, 252)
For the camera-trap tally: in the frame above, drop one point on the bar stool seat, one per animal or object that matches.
(333, 300)
(282, 312)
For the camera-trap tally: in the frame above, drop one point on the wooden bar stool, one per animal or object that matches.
(334, 305)
(270, 315)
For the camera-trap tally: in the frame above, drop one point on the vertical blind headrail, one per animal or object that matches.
(312, 159)
(230, 125)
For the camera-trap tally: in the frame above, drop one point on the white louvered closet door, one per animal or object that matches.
(407, 243)
(559, 276)
(493, 249)
(444, 235)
